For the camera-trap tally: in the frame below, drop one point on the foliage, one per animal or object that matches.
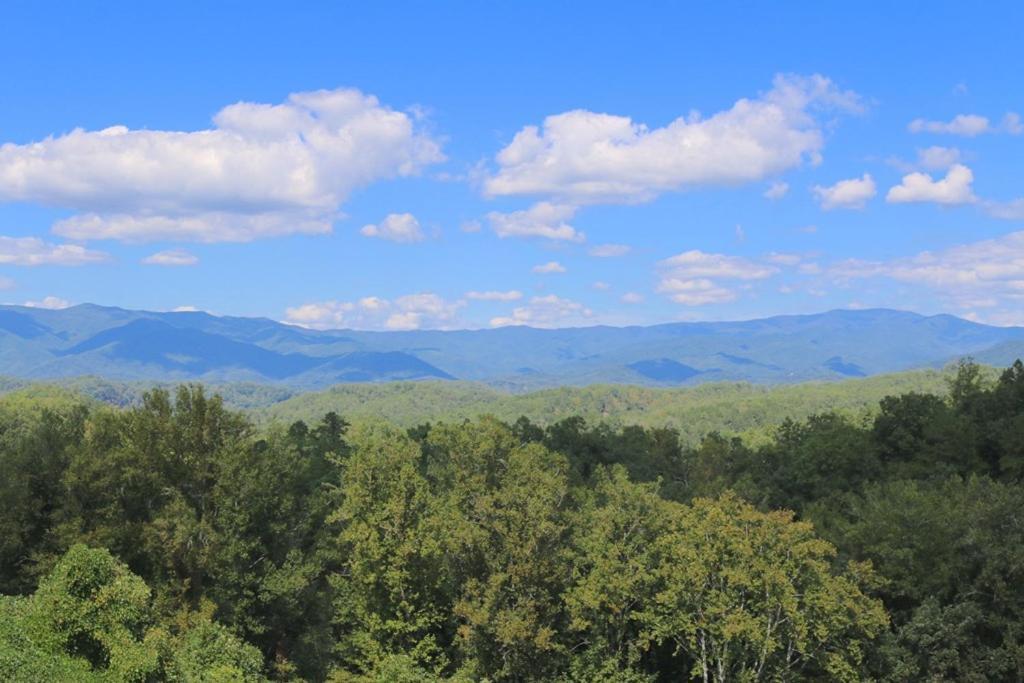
(728, 407)
(174, 539)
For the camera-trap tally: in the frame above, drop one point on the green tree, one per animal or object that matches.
(752, 596)
(208, 652)
(92, 609)
(506, 514)
(615, 569)
(952, 555)
(392, 596)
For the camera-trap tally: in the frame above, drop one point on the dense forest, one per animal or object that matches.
(732, 408)
(177, 540)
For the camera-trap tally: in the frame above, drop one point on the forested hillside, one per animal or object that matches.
(727, 407)
(175, 540)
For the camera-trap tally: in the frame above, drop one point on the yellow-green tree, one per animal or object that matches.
(614, 568)
(390, 597)
(752, 596)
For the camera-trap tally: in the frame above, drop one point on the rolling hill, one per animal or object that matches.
(729, 407)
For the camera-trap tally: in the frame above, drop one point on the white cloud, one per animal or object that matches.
(584, 157)
(373, 303)
(211, 226)
(471, 226)
(809, 268)
(32, 251)
(968, 125)
(404, 320)
(510, 295)
(409, 312)
(937, 158)
(846, 194)
(697, 292)
(609, 250)
(171, 257)
(1012, 123)
(988, 273)
(777, 190)
(320, 315)
(955, 188)
(699, 264)
(546, 311)
(396, 227)
(51, 302)
(784, 259)
(543, 219)
(687, 277)
(632, 298)
(1008, 211)
(261, 170)
(601, 286)
(414, 311)
(549, 268)
(185, 309)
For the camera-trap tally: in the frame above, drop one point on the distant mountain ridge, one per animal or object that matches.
(143, 345)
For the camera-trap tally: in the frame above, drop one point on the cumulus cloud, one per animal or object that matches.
(549, 268)
(777, 190)
(988, 273)
(609, 250)
(51, 302)
(211, 226)
(396, 227)
(601, 286)
(632, 298)
(409, 312)
(261, 170)
(584, 157)
(846, 194)
(697, 292)
(32, 251)
(413, 311)
(691, 278)
(546, 311)
(784, 259)
(699, 264)
(936, 158)
(171, 257)
(1012, 123)
(510, 295)
(1008, 211)
(543, 219)
(968, 125)
(320, 315)
(955, 188)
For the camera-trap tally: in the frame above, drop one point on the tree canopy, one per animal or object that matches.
(175, 540)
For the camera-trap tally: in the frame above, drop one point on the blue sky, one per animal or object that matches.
(452, 165)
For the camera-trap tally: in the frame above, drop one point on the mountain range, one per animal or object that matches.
(121, 344)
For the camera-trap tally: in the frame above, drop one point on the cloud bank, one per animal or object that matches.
(262, 170)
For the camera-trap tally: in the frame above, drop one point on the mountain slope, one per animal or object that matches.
(142, 345)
